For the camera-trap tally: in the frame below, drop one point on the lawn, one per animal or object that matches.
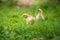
(14, 27)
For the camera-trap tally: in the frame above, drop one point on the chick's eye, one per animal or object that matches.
(24, 16)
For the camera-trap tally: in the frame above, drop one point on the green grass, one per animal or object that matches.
(14, 27)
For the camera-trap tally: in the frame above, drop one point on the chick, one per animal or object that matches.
(29, 19)
(40, 16)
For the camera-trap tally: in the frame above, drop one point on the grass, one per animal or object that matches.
(14, 27)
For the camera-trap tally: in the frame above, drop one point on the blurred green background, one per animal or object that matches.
(14, 27)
